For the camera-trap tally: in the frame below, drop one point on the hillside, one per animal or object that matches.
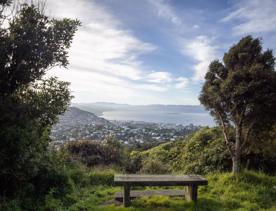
(225, 192)
(201, 153)
(75, 116)
(90, 186)
(76, 124)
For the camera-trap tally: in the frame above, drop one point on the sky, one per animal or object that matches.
(154, 51)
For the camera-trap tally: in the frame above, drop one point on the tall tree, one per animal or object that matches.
(240, 94)
(30, 44)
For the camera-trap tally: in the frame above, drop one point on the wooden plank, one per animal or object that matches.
(135, 194)
(156, 180)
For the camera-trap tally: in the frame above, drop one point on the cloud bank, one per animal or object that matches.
(104, 58)
(254, 16)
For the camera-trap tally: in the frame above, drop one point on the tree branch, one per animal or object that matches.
(228, 144)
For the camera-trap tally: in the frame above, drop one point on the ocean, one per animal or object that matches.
(203, 119)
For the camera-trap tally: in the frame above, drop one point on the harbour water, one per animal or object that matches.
(203, 119)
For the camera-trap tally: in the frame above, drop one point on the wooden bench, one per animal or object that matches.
(130, 180)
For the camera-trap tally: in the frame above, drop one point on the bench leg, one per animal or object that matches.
(191, 193)
(126, 195)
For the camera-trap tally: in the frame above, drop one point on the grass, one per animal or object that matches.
(225, 191)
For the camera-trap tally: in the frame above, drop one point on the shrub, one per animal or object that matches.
(204, 152)
(154, 166)
(93, 153)
(52, 179)
(51, 202)
(79, 174)
(101, 178)
(12, 205)
(134, 164)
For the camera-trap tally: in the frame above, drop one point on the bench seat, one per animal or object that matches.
(130, 180)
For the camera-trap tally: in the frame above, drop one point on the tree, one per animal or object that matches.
(30, 44)
(241, 95)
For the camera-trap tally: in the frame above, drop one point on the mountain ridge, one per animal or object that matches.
(75, 116)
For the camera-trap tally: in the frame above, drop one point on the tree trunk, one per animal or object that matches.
(236, 165)
(236, 159)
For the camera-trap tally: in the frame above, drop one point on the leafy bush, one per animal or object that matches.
(134, 164)
(204, 152)
(49, 179)
(11, 205)
(200, 153)
(51, 202)
(154, 166)
(78, 174)
(93, 153)
(101, 178)
(165, 153)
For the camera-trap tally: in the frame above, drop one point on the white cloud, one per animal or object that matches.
(164, 10)
(200, 48)
(181, 83)
(159, 77)
(104, 58)
(254, 16)
(203, 51)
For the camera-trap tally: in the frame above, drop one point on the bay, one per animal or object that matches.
(203, 119)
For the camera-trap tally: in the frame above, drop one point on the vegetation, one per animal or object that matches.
(241, 95)
(92, 153)
(79, 176)
(225, 191)
(68, 182)
(30, 44)
(203, 152)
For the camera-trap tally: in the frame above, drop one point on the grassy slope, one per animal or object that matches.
(247, 191)
(200, 153)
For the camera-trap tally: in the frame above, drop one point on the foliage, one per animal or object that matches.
(51, 178)
(262, 155)
(204, 152)
(32, 177)
(225, 191)
(165, 154)
(92, 188)
(134, 163)
(30, 44)
(60, 184)
(92, 153)
(241, 94)
(201, 153)
(154, 166)
(101, 178)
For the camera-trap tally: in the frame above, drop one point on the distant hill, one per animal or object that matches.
(100, 107)
(75, 116)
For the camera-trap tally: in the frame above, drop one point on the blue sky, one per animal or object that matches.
(154, 51)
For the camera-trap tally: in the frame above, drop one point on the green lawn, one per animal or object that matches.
(247, 191)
